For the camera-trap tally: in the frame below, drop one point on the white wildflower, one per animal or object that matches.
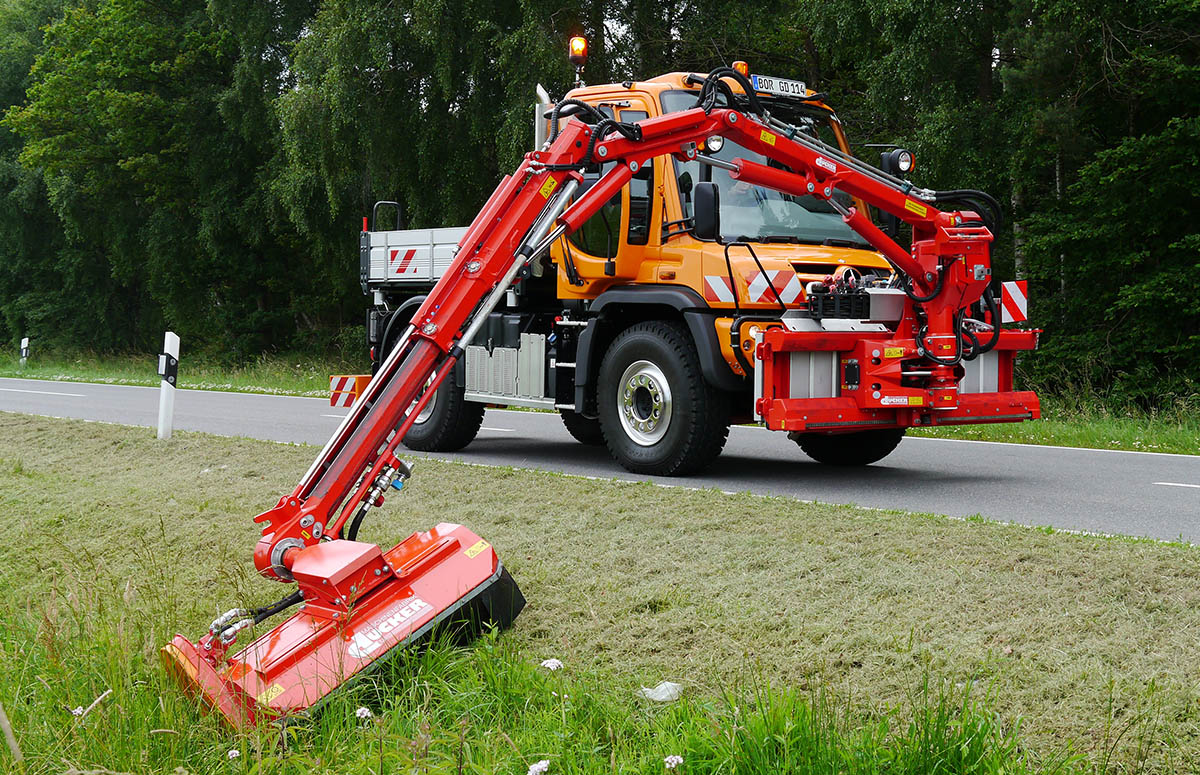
(363, 714)
(233, 754)
(538, 768)
(77, 710)
(552, 664)
(673, 761)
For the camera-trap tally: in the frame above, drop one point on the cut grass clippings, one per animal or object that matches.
(1046, 644)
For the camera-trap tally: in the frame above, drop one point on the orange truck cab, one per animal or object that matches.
(650, 340)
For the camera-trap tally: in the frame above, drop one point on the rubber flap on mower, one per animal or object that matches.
(448, 578)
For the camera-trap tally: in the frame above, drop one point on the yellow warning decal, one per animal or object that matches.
(477, 548)
(893, 352)
(271, 692)
(767, 137)
(548, 188)
(916, 400)
(915, 207)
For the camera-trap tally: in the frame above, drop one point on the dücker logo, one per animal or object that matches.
(367, 641)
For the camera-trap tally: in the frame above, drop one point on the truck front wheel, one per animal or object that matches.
(657, 413)
(582, 429)
(860, 448)
(448, 423)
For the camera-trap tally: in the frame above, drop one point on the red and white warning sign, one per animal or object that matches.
(342, 390)
(786, 284)
(400, 263)
(717, 288)
(1014, 301)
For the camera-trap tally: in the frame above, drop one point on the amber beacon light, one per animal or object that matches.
(577, 50)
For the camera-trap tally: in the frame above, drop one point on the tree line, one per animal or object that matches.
(204, 164)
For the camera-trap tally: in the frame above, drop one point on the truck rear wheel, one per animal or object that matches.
(583, 429)
(657, 413)
(860, 448)
(448, 423)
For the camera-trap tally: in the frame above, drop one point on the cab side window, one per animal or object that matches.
(600, 235)
(641, 192)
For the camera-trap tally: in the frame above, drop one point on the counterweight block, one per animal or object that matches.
(448, 579)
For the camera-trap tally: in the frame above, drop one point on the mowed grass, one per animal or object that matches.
(881, 634)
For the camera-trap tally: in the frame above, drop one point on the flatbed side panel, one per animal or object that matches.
(411, 256)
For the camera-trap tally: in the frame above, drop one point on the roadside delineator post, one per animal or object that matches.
(168, 369)
(24, 350)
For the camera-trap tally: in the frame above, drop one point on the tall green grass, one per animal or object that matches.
(480, 709)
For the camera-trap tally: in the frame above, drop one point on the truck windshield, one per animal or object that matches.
(755, 214)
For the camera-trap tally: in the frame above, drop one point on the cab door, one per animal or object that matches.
(618, 243)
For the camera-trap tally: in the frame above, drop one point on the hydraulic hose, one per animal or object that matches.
(712, 83)
(974, 197)
(977, 348)
(279, 605)
(941, 280)
(584, 107)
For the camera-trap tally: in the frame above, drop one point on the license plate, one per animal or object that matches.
(781, 86)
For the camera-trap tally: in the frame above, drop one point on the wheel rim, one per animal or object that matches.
(428, 410)
(644, 403)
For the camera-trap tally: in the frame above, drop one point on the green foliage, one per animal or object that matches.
(204, 165)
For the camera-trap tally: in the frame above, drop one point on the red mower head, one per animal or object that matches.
(360, 604)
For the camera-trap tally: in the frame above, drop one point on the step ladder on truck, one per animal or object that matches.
(626, 341)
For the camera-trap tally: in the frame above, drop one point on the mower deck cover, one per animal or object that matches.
(360, 605)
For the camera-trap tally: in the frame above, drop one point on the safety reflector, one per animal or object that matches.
(1014, 301)
(344, 389)
(774, 286)
(717, 288)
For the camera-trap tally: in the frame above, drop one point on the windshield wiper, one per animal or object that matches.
(788, 239)
(835, 242)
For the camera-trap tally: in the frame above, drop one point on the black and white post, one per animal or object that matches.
(24, 351)
(168, 369)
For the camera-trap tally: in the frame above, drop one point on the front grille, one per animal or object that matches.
(854, 306)
(817, 269)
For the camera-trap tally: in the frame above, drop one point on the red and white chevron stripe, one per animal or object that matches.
(341, 391)
(1014, 301)
(784, 281)
(717, 288)
(404, 263)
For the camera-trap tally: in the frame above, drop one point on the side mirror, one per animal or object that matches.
(685, 184)
(706, 207)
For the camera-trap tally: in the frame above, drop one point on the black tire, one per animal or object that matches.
(450, 422)
(583, 429)
(657, 362)
(860, 448)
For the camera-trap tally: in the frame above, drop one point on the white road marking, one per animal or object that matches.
(43, 392)
(1178, 484)
(501, 430)
(1051, 446)
(335, 416)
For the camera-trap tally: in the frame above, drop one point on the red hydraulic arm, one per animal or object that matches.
(308, 537)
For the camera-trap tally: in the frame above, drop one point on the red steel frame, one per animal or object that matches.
(296, 541)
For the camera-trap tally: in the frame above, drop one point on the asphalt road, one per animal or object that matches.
(1106, 491)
